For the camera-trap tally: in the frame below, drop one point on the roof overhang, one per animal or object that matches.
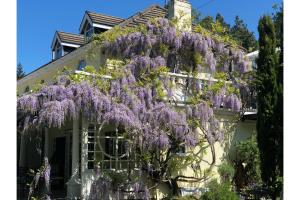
(56, 37)
(102, 26)
(70, 45)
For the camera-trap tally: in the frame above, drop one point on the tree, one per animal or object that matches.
(196, 16)
(278, 23)
(138, 99)
(268, 137)
(20, 72)
(221, 20)
(240, 32)
(207, 22)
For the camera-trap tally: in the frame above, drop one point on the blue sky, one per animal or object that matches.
(38, 20)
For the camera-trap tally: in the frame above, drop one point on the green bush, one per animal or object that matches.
(217, 191)
(247, 163)
(226, 172)
(190, 197)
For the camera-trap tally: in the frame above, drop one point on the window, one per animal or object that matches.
(81, 64)
(26, 89)
(58, 51)
(68, 49)
(180, 150)
(88, 32)
(108, 150)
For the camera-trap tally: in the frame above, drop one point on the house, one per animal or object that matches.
(71, 149)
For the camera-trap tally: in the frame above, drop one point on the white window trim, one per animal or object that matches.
(102, 26)
(85, 18)
(70, 45)
(113, 159)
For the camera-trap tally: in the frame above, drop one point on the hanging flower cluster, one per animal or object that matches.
(134, 100)
(180, 49)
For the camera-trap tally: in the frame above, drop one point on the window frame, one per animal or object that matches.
(88, 31)
(97, 152)
(81, 65)
(58, 51)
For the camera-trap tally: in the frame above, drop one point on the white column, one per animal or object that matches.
(74, 184)
(84, 160)
(75, 147)
(182, 11)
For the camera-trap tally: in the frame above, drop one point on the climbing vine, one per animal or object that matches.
(135, 91)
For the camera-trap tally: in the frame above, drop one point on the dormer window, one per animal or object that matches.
(94, 23)
(58, 51)
(81, 65)
(88, 31)
(64, 43)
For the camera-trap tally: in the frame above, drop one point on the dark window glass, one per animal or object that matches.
(81, 64)
(58, 51)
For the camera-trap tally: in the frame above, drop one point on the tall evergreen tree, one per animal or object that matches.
(20, 71)
(278, 22)
(267, 90)
(207, 22)
(196, 16)
(240, 32)
(221, 20)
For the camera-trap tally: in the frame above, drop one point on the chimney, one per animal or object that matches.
(182, 11)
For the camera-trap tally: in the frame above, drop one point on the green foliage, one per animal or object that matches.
(278, 23)
(219, 191)
(196, 16)
(116, 178)
(20, 71)
(226, 172)
(221, 20)
(247, 154)
(116, 32)
(217, 32)
(270, 107)
(190, 197)
(237, 35)
(240, 33)
(207, 22)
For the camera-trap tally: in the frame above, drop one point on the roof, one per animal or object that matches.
(71, 38)
(154, 11)
(68, 38)
(104, 19)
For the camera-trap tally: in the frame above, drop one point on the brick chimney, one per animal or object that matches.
(181, 10)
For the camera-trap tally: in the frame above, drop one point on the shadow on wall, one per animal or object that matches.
(244, 130)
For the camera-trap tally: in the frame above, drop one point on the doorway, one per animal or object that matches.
(58, 164)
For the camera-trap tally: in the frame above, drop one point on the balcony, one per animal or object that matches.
(182, 91)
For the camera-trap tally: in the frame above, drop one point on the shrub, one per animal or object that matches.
(247, 163)
(219, 191)
(226, 172)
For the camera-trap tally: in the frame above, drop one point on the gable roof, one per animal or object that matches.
(100, 19)
(71, 38)
(154, 11)
(104, 19)
(68, 39)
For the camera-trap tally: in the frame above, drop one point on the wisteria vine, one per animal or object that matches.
(137, 98)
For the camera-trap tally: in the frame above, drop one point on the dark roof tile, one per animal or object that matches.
(71, 38)
(154, 11)
(104, 19)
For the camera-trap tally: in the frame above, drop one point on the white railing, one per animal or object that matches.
(181, 90)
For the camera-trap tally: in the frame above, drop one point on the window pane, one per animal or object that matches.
(81, 64)
(58, 52)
